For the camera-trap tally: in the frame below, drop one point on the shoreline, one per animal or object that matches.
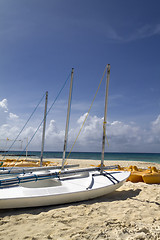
(109, 156)
(88, 162)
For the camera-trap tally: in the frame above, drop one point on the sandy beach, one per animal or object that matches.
(131, 212)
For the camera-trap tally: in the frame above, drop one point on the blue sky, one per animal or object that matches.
(41, 40)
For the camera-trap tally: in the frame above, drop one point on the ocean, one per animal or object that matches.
(144, 157)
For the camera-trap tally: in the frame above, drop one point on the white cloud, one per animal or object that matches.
(148, 30)
(91, 134)
(145, 31)
(3, 111)
(13, 116)
(82, 118)
(120, 129)
(112, 34)
(54, 137)
(121, 136)
(156, 125)
(155, 129)
(142, 32)
(6, 117)
(4, 105)
(52, 128)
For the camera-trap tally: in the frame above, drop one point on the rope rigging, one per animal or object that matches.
(86, 119)
(41, 121)
(69, 116)
(23, 127)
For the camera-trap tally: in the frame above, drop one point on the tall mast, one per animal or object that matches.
(105, 116)
(67, 122)
(26, 148)
(44, 127)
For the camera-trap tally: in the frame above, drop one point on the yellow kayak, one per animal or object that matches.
(25, 163)
(153, 177)
(150, 175)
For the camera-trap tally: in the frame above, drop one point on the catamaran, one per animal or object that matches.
(46, 187)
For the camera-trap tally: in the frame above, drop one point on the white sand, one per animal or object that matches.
(131, 212)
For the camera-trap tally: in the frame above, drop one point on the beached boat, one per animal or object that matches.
(64, 188)
(52, 187)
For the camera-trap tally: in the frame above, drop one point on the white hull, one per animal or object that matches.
(60, 191)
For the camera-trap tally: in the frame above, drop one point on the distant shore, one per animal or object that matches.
(117, 156)
(88, 162)
(84, 162)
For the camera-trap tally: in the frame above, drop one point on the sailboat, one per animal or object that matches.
(14, 166)
(53, 187)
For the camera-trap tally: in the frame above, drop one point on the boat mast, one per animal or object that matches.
(27, 148)
(105, 116)
(67, 122)
(44, 127)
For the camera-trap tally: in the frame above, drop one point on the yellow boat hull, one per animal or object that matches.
(25, 163)
(150, 175)
(135, 177)
(152, 178)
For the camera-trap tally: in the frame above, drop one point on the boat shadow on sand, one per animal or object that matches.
(114, 196)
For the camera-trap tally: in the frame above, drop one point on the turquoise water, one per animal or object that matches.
(144, 157)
